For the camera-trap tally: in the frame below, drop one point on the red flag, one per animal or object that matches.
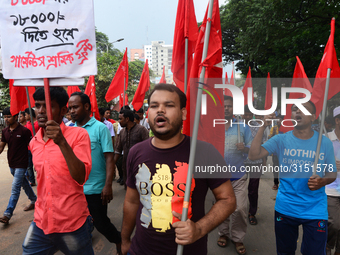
(117, 84)
(213, 69)
(300, 80)
(232, 79)
(185, 27)
(143, 86)
(227, 92)
(91, 92)
(269, 96)
(121, 101)
(247, 84)
(72, 89)
(329, 60)
(163, 80)
(19, 97)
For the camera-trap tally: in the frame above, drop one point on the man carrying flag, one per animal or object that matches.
(157, 172)
(301, 198)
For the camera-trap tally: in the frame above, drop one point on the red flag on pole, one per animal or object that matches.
(329, 60)
(143, 87)
(300, 80)
(72, 89)
(19, 97)
(122, 102)
(91, 92)
(163, 80)
(232, 79)
(117, 84)
(269, 96)
(214, 69)
(185, 27)
(227, 92)
(248, 84)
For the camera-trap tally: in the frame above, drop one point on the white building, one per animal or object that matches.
(158, 55)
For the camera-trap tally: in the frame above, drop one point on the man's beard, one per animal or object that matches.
(176, 127)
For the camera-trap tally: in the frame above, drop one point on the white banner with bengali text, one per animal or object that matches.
(47, 38)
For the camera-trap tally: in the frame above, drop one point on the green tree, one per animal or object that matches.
(5, 99)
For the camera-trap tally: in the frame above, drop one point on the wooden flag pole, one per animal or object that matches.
(48, 98)
(30, 109)
(322, 124)
(196, 124)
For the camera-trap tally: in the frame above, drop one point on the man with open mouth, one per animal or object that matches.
(301, 198)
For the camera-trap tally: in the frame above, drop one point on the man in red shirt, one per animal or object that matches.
(62, 159)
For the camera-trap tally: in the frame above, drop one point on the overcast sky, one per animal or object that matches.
(141, 21)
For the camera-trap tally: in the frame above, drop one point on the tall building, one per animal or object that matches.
(158, 55)
(137, 54)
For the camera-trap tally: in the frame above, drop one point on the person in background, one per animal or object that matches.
(143, 121)
(98, 188)
(137, 120)
(107, 123)
(333, 192)
(17, 137)
(22, 118)
(107, 115)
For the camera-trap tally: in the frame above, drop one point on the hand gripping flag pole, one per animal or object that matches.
(196, 124)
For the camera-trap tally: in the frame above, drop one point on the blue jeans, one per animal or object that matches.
(30, 172)
(72, 243)
(19, 181)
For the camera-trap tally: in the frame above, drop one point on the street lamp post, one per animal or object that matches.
(109, 43)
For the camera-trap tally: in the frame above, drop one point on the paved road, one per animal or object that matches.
(260, 239)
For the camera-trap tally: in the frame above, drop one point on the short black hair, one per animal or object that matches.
(7, 111)
(125, 107)
(246, 109)
(57, 93)
(330, 120)
(27, 110)
(101, 111)
(128, 114)
(280, 116)
(228, 98)
(312, 104)
(107, 109)
(170, 88)
(83, 98)
(140, 110)
(136, 116)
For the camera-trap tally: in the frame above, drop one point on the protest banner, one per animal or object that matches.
(47, 39)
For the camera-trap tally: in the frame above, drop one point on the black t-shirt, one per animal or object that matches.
(160, 175)
(17, 140)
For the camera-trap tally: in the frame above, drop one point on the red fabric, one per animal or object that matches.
(61, 206)
(269, 96)
(213, 69)
(121, 103)
(185, 27)
(143, 87)
(117, 84)
(19, 98)
(91, 92)
(248, 84)
(232, 79)
(329, 60)
(163, 80)
(72, 89)
(227, 92)
(300, 80)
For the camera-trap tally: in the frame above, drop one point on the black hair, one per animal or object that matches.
(313, 106)
(170, 88)
(128, 114)
(228, 98)
(83, 98)
(125, 107)
(136, 116)
(280, 116)
(330, 120)
(7, 111)
(102, 111)
(140, 110)
(57, 93)
(246, 109)
(27, 110)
